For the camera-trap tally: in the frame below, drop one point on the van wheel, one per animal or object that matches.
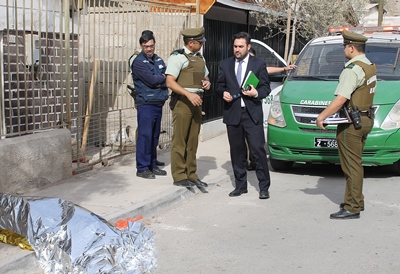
(279, 165)
(397, 167)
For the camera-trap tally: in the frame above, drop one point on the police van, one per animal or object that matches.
(292, 133)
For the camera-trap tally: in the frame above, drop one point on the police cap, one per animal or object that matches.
(194, 34)
(353, 38)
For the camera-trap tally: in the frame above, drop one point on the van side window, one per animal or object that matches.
(386, 59)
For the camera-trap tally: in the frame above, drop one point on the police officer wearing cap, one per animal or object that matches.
(187, 77)
(356, 90)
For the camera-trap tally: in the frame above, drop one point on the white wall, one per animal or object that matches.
(31, 15)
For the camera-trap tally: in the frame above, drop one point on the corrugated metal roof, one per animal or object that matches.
(244, 5)
(370, 6)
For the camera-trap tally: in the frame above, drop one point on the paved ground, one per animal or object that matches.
(114, 192)
(289, 233)
(296, 217)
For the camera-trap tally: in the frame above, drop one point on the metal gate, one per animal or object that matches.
(79, 81)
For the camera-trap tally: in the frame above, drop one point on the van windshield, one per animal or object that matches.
(326, 61)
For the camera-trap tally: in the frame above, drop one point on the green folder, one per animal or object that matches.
(251, 79)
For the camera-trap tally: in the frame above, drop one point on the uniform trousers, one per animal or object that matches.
(186, 120)
(351, 144)
(149, 125)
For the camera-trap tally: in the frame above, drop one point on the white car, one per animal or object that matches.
(272, 59)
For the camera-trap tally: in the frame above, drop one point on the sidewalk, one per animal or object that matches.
(114, 192)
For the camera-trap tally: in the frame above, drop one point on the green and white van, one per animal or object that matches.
(292, 133)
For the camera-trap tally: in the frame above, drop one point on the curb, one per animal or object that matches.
(156, 204)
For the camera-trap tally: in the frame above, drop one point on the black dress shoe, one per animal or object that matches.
(251, 167)
(160, 163)
(264, 194)
(184, 183)
(199, 183)
(344, 214)
(237, 192)
(342, 207)
(159, 172)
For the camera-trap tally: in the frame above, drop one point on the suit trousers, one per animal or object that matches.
(238, 150)
(252, 161)
(149, 126)
(186, 120)
(351, 144)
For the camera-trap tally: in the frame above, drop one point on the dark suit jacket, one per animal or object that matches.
(227, 82)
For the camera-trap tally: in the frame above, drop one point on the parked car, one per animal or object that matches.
(292, 133)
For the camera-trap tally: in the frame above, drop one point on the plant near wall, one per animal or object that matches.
(306, 18)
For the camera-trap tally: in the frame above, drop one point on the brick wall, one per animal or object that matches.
(35, 95)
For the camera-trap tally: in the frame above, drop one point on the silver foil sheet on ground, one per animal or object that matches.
(70, 239)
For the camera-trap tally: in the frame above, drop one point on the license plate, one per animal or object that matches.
(325, 142)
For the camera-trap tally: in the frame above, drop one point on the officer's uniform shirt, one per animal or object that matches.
(177, 62)
(351, 79)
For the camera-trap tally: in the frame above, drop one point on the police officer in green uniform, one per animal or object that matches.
(355, 91)
(187, 77)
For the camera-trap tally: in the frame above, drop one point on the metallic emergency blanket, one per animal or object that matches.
(70, 239)
(12, 238)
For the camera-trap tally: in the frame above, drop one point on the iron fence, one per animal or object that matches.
(65, 64)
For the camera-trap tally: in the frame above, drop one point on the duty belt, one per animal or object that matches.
(200, 93)
(369, 113)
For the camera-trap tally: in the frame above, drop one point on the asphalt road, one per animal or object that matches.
(289, 233)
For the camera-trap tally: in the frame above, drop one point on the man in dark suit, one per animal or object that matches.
(243, 113)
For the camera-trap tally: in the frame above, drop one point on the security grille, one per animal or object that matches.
(65, 64)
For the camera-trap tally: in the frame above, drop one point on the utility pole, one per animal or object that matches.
(380, 12)
(197, 13)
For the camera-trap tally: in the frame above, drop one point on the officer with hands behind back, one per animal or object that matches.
(132, 89)
(355, 92)
(148, 72)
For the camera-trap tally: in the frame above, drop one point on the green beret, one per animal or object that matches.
(353, 38)
(194, 34)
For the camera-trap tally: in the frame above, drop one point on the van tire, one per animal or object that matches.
(279, 165)
(396, 166)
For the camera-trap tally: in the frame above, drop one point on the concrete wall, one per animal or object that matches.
(44, 16)
(35, 160)
(212, 129)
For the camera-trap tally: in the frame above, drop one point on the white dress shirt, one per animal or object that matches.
(244, 68)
